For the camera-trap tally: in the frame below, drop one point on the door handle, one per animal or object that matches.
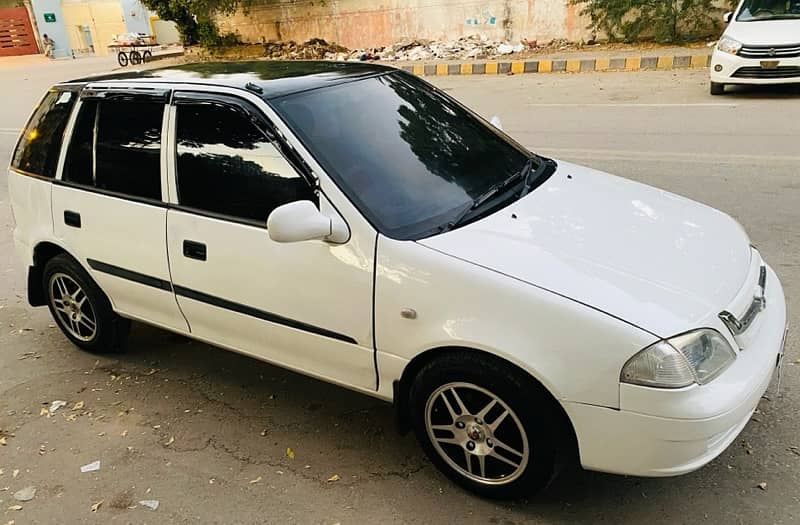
(194, 250)
(72, 218)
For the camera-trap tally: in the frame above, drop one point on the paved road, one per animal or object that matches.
(232, 418)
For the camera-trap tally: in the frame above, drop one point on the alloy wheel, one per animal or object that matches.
(72, 307)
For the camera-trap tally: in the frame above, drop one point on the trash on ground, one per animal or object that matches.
(55, 405)
(151, 504)
(254, 481)
(170, 441)
(79, 405)
(15, 473)
(91, 467)
(290, 453)
(26, 494)
(314, 48)
(763, 485)
(96, 506)
(3, 441)
(15, 507)
(333, 478)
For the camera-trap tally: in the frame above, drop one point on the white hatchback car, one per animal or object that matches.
(761, 45)
(354, 223)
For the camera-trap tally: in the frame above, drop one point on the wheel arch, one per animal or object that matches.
(401, 388)
(42, 253)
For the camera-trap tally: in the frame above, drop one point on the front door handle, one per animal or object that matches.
(72, 218)
(194, 250)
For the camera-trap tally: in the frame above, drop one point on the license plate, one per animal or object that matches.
(769, 64)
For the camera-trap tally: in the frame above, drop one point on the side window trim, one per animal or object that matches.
(93, 94)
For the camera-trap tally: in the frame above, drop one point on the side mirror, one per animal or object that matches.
(727, 17)
(495, 121)
(302, 221)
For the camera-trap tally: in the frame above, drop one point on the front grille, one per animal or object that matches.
(759, 72)
(767, 52)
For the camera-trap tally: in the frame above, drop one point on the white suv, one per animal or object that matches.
(356, 224)
(761, 45)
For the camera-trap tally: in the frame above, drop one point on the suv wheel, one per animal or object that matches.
(717, 88)
(81, 309)
(485, 424)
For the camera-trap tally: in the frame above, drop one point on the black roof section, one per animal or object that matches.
(275, 78)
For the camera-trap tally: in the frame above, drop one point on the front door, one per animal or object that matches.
(306, 305)
(108, 209)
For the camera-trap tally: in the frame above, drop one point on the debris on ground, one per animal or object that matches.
(26, 494)
(15, 473)
(55, 405)
(91, 467)
(290, 453)
(315, 48)
(96, 506)
(254, 481)
(333, 478)
(3, 441)
(15, 507)
(763, 485)
(79, 405)
(29, 355)
(151, 504)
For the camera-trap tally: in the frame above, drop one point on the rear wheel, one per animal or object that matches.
(136, 58)
(147, 55)
(81, 309)
(717, 88)
(485, 424)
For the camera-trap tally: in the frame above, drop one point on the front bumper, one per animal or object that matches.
(694, 424)
(730, 64)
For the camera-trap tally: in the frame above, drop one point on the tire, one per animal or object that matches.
(147, 55)
(81, 309)
(122, 59)
(717, 88)
(136, 57)
(521, 416)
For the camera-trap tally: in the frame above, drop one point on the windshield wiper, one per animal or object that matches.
(525, 174)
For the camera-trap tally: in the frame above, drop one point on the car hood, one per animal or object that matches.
(765, 32)
(654, 259)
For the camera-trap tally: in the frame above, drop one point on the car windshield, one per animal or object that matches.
(408, 156)
(753, 10)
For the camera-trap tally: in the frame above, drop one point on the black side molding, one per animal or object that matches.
(130, 275)
(260, 314)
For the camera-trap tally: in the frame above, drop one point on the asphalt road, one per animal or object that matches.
(206, 432)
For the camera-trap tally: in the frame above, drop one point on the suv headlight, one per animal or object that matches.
(693, 357)
(729, 45)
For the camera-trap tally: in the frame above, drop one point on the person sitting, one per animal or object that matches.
(49, 46)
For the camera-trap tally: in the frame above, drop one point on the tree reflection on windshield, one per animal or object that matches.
(407, 156)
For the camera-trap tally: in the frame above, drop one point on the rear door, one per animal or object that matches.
(109, 203)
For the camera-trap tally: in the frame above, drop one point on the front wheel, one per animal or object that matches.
(81, 310)
(717, 88)
(485, 424)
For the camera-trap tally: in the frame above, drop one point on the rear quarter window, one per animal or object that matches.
(38, 147)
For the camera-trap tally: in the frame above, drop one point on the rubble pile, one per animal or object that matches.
(316, 48)
(466, 47)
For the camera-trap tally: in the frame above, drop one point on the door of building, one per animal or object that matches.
(16, 33)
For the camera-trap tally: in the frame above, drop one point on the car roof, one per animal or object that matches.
(269, 78)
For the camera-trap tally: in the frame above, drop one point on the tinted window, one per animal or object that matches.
(128, 152)
(227, 165)
(78, 164)
(40, 143)
(753, 10)
(127, 156)
(408, 156)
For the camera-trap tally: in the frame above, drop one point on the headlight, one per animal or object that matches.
(694, 357)
(729, 45)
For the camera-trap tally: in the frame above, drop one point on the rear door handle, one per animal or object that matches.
(72, 218)
(194, 250)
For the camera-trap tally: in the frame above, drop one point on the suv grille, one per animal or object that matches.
(758, 72)
(766, 52)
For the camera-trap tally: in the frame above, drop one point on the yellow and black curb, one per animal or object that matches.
(565, 65)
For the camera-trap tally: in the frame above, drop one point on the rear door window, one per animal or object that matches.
(39, 146)
(116, 147)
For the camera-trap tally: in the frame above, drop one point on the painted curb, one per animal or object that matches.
(564, 65)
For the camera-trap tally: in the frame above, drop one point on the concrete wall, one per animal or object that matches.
(137, 17)
(364, 23)
(103, 17)
(55, 30)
